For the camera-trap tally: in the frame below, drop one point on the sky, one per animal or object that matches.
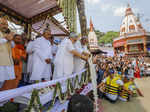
(107, 15)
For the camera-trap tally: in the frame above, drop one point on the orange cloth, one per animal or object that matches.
(137, 72)
(18, 52)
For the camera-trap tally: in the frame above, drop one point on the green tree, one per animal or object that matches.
(108, 37)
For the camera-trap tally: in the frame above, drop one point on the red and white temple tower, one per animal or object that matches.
(133, 39)
(92, 38)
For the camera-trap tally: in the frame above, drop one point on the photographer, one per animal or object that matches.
(6, 61)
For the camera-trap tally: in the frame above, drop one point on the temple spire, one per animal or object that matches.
(128, 5)
(91, 25)
(128, 10)
(92, 38)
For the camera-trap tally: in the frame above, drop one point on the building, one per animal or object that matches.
(133, 40)
(92, 38)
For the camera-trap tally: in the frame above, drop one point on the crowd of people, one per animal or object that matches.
(42, 59)
(45, 58)
(116, 77)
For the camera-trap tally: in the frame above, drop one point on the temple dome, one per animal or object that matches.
(130, 23)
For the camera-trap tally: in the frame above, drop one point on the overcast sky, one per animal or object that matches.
(107, 15)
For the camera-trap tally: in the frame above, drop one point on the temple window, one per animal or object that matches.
(132, 28)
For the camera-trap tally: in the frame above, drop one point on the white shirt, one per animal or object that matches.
(79, 64)
(54, 50)
(64, 59)
(41, 51)
(7, 72)
(131, 73)
(29, 50)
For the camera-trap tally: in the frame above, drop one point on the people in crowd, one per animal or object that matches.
(81, 47)
(100, 73)
(42, 56)
(137, 72)
(117, 82)
(55, 47)
(142, 69)
(25, 75)
(56, 43)
(6, 59)
(64, 60)
(127, 90)
(112, 85)
(68, 57)
(18, 54)
(131, 72)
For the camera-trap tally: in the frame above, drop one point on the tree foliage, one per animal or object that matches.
(108, 37)
(104, 37)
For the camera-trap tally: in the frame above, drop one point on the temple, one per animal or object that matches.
(92, 38)
(133, 39)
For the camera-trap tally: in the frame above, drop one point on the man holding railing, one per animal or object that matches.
(81, 47)
(64, 60)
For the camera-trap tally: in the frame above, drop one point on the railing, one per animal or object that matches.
(73, 82)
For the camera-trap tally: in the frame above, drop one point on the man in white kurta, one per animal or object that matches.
(64, 60)
(42, 56)
(6, 61)
(29, 50)
(81, 47)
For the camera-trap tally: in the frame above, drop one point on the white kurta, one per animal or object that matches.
(41, 51)
(79, 64)
(63, 62)
(54, 50)
(29, 50)
(6, 72)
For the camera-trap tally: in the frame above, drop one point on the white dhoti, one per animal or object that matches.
(64, 61)
(6, 72)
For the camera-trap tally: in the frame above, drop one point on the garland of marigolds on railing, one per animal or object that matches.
(69, 10)
(57, 91)
(34, 102)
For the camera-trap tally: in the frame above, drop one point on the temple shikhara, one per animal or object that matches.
(133, 40)
(92, 38)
